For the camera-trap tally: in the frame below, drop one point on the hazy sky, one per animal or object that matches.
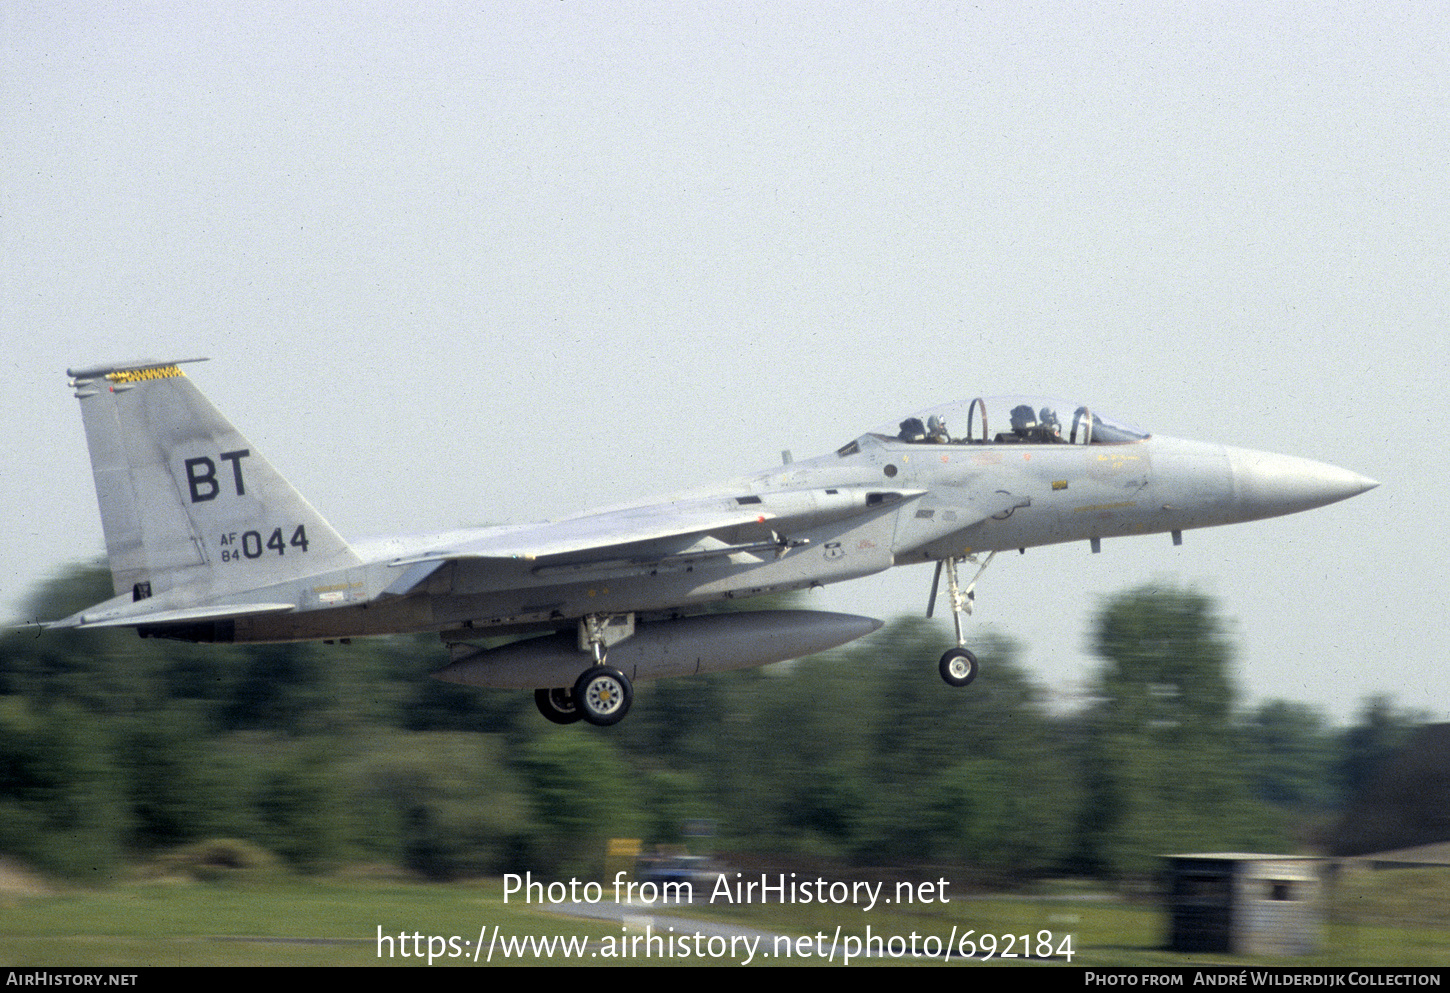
(484, 263)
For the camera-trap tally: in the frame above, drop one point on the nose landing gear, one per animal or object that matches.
(958, 666)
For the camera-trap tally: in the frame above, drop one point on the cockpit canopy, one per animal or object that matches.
(1009, 420)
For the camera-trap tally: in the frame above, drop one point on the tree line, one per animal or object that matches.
(115, 749)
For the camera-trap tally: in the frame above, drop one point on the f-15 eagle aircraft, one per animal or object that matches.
(208, 543)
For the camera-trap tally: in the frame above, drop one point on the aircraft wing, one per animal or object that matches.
(654, 534)
(633, 525)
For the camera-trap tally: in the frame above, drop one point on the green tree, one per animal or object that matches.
(1291, 755)
(1379, 730)
(299, 806)
(59, 809)
(1162, 765)
(583, 794)
(442, 804)
(173, 783)
(109, 672)
(974, 776)
(864, 754)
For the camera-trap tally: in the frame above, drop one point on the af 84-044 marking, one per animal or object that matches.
(249, 544)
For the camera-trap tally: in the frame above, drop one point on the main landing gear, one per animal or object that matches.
(557, 705)
(602, 694)
(958, 667)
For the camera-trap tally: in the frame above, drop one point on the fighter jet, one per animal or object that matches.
(208, 543)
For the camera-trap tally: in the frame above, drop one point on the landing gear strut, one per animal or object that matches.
(603, 694)
(958, 666)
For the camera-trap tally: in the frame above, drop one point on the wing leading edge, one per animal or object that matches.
(650, 536)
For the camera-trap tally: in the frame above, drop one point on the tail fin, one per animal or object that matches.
(187, 504)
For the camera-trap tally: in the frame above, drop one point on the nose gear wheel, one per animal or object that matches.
(958, 667)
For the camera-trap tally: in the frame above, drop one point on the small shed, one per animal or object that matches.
(1244, 904)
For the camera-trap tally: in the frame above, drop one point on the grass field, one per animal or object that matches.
(1400, 918)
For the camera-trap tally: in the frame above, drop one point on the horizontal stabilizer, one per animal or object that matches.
(185, 615)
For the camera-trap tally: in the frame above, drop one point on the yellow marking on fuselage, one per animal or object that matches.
(1117, 458)
(1105, 506)
(336, 586)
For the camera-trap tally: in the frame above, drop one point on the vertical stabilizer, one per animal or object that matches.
(187, 503)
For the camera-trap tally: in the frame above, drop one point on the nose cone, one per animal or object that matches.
(1266, 485)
